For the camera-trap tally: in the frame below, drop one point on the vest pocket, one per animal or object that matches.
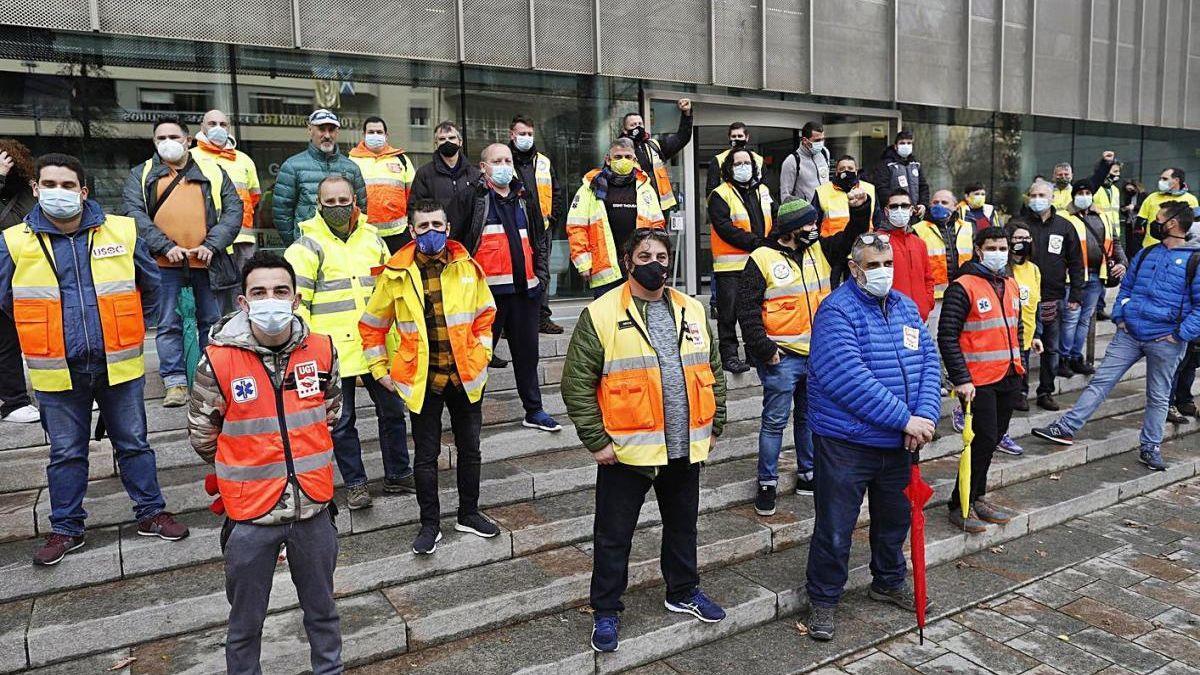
(625, 401)
(131, 329)
(706, 398)
(33, 327)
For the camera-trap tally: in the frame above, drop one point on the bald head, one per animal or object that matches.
(496, 163)
(943, 196)
(215, 126)
(495, 152)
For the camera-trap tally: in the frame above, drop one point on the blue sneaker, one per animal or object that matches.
(1009, 446)
(1151, 456)
(960, 420)
(604, 633)
(541, 420)
(698, 605)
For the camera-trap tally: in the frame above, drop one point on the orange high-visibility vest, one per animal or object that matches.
(835, 206)
(989, 335)
(494, 256)
(545, 186)
(272, 435)
(794, 290)
(388, 176)
(726, 256)
(662, 178)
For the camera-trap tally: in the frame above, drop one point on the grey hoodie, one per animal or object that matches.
(802, 180)
(206, 412)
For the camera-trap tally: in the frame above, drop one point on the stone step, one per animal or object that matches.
(760, 593)
(369, 562)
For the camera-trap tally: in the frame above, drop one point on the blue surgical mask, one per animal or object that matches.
(60, 203)
(218, 136)
(523, 143)
(1083, 202)
(271, 315)
(818, 147)
(742, 173)
(1039, 204)
(995, 261)
(431, 242)
(375, 141)
(502, 174)
(877, 281)
(904, 149)
(939, 212)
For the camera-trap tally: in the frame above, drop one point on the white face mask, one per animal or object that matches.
(995, 260)
(1164, 185)
(904, 149)
(818, 147)
(877, 282)
(899, 218)
(1038, 204)
(523, 143)
(271, 315)
(170, 150)
(742, 173)
(375, 141)
(218, 136)
(1083, 201)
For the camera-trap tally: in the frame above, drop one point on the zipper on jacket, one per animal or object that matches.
(900, 362)
(1004, 317)
(87, 339)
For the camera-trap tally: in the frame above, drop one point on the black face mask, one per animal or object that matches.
(448, 149)
(1020, 249)
(805, 238)
(846, 180)
(1062, 182)
(651, 276)
(1158, 230)
(636, 133)
(337, 217)
(737, 144)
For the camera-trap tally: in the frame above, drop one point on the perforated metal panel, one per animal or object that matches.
(565, 36)
(1147, 109)
(984, 43)
(64, 14)
(1016, 58)
(930, 53)
(1172, 68)
(257, 22)
(852, 48)
(787, 45)
(659, 39)
(420, 29)
(496, 32)
(738, 25)
(1059, 79)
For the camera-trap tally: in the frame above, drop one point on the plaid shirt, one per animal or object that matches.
(441, 355)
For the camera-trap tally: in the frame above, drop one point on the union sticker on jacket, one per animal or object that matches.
(1055, 244)
(109, 251)
(693, 331)
(308, 382)
(782, 271)
(912, 338)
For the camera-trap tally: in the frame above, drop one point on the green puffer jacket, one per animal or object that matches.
(295, 193)
(581, 380)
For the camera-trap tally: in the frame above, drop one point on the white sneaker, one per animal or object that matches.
(25, 415)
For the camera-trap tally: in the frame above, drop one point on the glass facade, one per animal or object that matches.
(95, 95)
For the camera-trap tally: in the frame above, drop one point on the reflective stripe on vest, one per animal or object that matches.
(37, 305)
(244, 174)
(211, 170)
(494, 255)
(931, 234)
(630, 392)
(727, 257)
(989, 336)
(545, 186)
(593, 250)
(1083, 233)
(264, 440)
(793, 293)
(662, 178)
(388, 179)
(835, 206)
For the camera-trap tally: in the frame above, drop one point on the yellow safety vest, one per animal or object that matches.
(1153, 202)
(1029, 284)
(1107, 200)
(726, 256)
(662, 178)
(37, 303)
(630, 392)
(793, 293)
(335, 279)
(388, 177)
(1061, 199)
(593, 250)
(1106, 245)
(545, 186)
(964, 246)
(835, 206)
(244, 174)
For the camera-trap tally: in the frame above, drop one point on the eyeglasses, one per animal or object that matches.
(871, 237)
(897, 207)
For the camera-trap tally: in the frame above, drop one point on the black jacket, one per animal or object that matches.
(523, 162)
(16, 201)
(669, 145)
(956, 304)
(456, 192)
(752, 285)
(1058, 266)
(722, 221)
(538, 240)
(882, 177)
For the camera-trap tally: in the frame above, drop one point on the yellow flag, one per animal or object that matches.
(964, 462)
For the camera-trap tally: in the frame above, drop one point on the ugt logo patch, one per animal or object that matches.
(245, 389)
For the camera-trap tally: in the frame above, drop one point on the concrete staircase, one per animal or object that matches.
(500, 605)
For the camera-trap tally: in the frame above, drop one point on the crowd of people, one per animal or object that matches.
(400, 279)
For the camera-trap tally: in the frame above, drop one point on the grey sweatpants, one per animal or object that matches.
(251, 552)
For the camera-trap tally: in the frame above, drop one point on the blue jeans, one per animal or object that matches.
(69, 415)
(393, 434)
(1162, 358)
(785, 389)
(1077, 323)
(169, 339)
(843, 473)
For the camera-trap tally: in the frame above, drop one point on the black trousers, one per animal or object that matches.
(518, 317)
(13, 394)
(727, 293)
(1050, 319)
(465, 420)
(992, 411)
(620, 491)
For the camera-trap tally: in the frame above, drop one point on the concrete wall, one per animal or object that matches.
(1128, 61)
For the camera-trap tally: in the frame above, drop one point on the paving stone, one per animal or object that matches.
(90, 665)
(98, 561)
(555, 521)
(17, 515)
(908, 650)
(989, 653)
(1071, 579)
(1127, 600)
(1172, 644)
(1179, 621)
(991, 623)
(951, 664)
(1108, 618)
(1048, 593)
(1154, 566)
(1037, 615)
(1043, 669)
(1121, 652)
(1171, 594)
(878, 664)
(1057, 653)
(792, 523)
(1043, 552)
(1175, 668)
(108, 504)
(1115, 670)
(14, 616)
(143, 555)
(1110, 571)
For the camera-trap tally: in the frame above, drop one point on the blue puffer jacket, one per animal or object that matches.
(295, 193)
(864, 381)
(1152, 301)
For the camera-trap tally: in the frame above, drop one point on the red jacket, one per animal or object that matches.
(913, 276)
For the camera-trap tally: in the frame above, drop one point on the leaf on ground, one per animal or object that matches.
(1041, 553)
(997, 549)
(586, 609)
(122, 664)
(1064, 638)
(801, 628)
(1055, 476)
(1135, 525)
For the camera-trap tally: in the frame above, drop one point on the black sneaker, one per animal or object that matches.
(1022, 404)
(804, 486)
(902, 596)
(1047, 402)
(735, 365)
(401, 484)
(427, 540)
(1053, 433)
(1188, 409)
(478, 525)
(820, 623)
(497, 362)
(764, 502)
(1063, 369)
(1082, 367)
